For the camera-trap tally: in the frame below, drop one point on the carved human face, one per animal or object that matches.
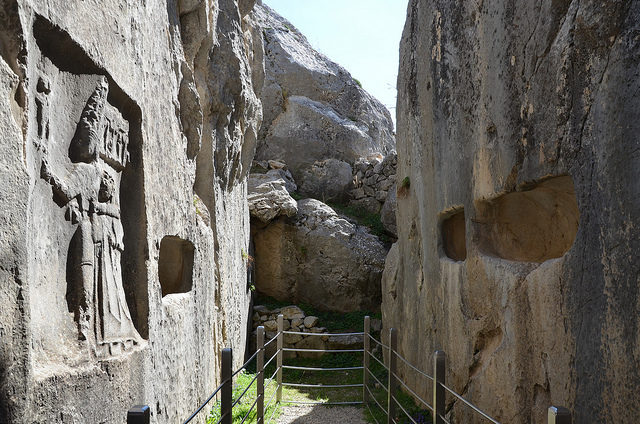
(107, 188)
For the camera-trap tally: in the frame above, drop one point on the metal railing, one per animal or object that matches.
(281, 333)
(140, 414)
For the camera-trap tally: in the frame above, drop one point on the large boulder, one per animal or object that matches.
(268, 197)
(519, 229)
(313, 109)
(319, 258)
(329, 180)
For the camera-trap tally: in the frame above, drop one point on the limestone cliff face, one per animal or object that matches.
(313, 109)
(518, 224)
(128, 129)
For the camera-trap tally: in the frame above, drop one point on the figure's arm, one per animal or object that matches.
(59, 187)
(106, 209)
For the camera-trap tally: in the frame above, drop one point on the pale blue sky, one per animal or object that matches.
(361, 35)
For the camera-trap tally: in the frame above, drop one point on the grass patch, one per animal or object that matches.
(244, 406)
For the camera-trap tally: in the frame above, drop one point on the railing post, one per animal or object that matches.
(439, 367)
(227, 386)
(280, 343)
(139, 414)
(365, 359)
(558, 415)
(260, 382)
(393, 369)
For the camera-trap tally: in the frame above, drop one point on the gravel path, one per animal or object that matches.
(314, 414)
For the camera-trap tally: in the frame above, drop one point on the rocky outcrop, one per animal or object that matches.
(268, 197)
(313, 109)
(319, 258)
(127, 135)
(517, 129)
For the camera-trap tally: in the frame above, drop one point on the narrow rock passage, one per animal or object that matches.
(316, 414)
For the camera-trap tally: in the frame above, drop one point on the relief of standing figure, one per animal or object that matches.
(95, 291)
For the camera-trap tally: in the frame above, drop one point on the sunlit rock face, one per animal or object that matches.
(518, 228)
(128, 129)
(319, 258)
(313, 109)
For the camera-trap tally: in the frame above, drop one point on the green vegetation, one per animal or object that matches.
(403, 188)
(358, 82)
(244, 406)
(296, 195)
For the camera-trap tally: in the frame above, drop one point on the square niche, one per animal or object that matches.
(175, 267)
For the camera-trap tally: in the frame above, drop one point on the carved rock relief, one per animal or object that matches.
(95, 292)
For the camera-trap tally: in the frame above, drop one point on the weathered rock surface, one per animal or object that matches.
(329, 180)
(497, 103)
(320, 259)
(388, 211)
(127, 130)
(373, 181)
(313, 109)
(268, 197)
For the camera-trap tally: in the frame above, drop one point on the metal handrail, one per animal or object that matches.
(413, 367)
(244, 366)
(291, 367)
(446, 421)
(271, 379)
(377, 381)
(371, 412)
(470, 405)
(379, 342)
(206, 402)
(270, 341)
(245, 391)
(404, 410)
(379, 361)
(220, 420)
(271, 359)
(291, 349)
(422, 373)
(320, 386)
(266, 408)
(302, 333)
(250, 409)
(392, 402)
(296, 402)
(425, 403)
(376, 400)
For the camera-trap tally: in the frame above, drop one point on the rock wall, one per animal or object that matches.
(314, 111)
(373, 180)
(128, 129)
(518, 230)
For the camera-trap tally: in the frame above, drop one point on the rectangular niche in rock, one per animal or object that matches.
(175, 267)
(454, 239)
(539, 222)
(88, 208)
